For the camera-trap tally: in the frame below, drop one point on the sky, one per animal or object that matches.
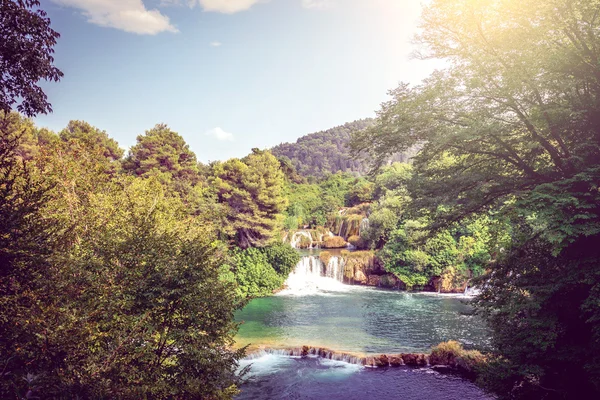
(228, 75)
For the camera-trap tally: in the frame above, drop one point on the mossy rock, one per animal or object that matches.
(335, 242)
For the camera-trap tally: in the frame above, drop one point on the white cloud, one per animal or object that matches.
(317, 4)
(216, 44)
(127, 15)
(220, 134)
(227, 6)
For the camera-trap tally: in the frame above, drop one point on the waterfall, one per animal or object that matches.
(335, 269)
(297, 238)
(471, 291)
(364, 225)
(311, 276)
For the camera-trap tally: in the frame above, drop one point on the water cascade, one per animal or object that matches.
(364, 225)
(335, 269)
(297, 239)
(312, 276)
(471, 291)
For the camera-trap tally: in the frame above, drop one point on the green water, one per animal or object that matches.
(360, 320)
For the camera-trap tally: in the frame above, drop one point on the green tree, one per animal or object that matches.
(160, 150)
(512, 126)
(93, 138)
(252, 189)
(26, 48)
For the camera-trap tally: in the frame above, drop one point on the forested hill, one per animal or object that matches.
(325, 152)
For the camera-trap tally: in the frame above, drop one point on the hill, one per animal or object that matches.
(318, 154)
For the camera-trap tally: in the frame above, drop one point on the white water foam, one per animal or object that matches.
(312, 277)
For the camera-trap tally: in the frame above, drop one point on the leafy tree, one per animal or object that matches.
(26, 48)
(26, 242)
(512, 126)
(282, 257)
(252, 190)
(93, 138)
(361, 191)
(254, 274)
(160, 150)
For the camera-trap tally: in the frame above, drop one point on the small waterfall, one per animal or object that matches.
(471, 291)
(297, 238)
(311, 276)
(335, 269)
(364, 225)
(309, 351)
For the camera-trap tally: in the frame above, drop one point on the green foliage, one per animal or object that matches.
(162, 151)
(323, 153)
(252, 190)
(511, 128)
(361, 191)
(254, 273)
(455, 255)
(92, 138)
(282, 257)
(99, 272)
(26, 47)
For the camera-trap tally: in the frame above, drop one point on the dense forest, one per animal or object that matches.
(121, 272)
(327, 152)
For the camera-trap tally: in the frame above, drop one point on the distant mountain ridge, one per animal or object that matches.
(321, 153)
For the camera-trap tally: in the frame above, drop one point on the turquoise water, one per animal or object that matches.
(361, 320)
(318, 310)
(277, 377)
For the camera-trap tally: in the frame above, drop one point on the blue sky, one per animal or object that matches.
(228, 75)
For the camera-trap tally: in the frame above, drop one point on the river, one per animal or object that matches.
(318, 310)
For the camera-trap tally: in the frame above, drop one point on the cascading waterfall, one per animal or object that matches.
(297, 238)
(335, 269)
(364, 225)
(311, 276)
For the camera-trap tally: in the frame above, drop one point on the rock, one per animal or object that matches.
(443, 369)
(305, 350)
(410, 359)
(396, 361)
(381, 361)
(373, 280)
(360, 277)
(369, 362)
(388, 281)
(415, 360)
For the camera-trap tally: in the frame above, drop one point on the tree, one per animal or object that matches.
(252, 189)
(26, 48)
(26, 242)
(160, 150)
(93, 138)
(511, 127)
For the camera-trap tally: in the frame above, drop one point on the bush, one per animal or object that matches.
(282, 257)
(325, 256)
(451, 353)
(254, 274)
(357, 242)
(334, 242)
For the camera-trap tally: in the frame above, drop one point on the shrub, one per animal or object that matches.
(254, 274)
(357, 242)
(335, 242)
(282, 257)
(325, 256)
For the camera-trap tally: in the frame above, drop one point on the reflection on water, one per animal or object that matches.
(361, 320)
(277, 377)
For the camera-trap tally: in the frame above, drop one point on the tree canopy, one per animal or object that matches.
(26, 47)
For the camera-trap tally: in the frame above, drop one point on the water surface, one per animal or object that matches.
(277, 377)
(359, 320)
